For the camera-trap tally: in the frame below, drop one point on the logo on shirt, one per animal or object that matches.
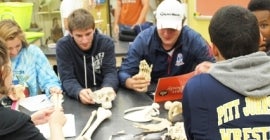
(19, 77)
(98, 62)
(179, 60)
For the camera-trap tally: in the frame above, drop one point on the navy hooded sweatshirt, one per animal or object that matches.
(86, 69)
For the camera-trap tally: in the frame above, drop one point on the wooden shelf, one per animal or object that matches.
(48, 12)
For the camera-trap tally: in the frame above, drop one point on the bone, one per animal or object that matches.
(177, 131)
(145, 69)
(102, 114)
(104, 96)
(167, 105)
(157, 127)
(91, 118)
(174, 108)
(153, 106)
(57, 100)
(142, 114)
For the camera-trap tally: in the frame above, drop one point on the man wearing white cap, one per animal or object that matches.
(171, 47)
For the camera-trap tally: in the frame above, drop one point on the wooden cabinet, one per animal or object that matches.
(46, 15)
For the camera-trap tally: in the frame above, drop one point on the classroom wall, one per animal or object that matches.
(200, 20)
(199, 25)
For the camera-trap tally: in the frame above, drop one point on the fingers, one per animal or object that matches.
(48, 111)
(55, 90)
(141, 90)
(85, 96)
(203, 67)
(141, 87)
(139, 83)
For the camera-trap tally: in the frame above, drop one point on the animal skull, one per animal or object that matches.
(104, 96)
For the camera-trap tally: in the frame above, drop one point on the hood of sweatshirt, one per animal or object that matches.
(248, 75)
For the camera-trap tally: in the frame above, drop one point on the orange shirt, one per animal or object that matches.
(130, 11)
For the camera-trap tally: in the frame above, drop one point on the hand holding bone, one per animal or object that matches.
(145, 70)
(140, 81)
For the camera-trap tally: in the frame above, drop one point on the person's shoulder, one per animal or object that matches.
(11, 119)
(64, 40)
(200, 78)
(33, 48)
(149, 30)
(147, 33)
(198, 82)
(189, 31)
(103, 38)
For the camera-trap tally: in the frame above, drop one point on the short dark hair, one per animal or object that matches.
(235, 31)
(255, 5)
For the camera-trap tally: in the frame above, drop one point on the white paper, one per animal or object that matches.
(35, 103)
(68, 129)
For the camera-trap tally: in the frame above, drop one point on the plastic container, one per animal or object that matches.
(21, 12)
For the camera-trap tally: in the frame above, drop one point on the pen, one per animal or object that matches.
(42, 100)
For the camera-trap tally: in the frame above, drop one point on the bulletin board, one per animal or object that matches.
(204, 9)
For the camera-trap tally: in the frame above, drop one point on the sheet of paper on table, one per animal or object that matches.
(35, 103)
(68, 129)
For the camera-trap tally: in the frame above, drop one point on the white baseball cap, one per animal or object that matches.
(170, 14)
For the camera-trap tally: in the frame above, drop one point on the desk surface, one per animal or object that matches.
(125, 99)
(121, 49)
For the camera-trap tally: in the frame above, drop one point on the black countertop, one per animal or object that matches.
(125, 99)
(121, 49)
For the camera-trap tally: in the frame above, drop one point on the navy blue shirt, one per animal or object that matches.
(190, 50)
(213, 111)
(99, 62)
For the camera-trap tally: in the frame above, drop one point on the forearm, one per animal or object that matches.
(117, 12)
(123, 76)
(72, 89)
(33, 119)
(70, 84)
(56, 132)
(144, 11)
(111, 80)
